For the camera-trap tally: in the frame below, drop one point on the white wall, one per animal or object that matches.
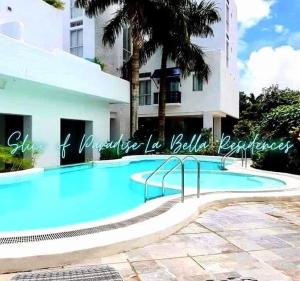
(93, 29)
(121, 123)
(111, 56)
(219, 95)
(59, 69)
(47, 106)
(88, 31)
(42, 23)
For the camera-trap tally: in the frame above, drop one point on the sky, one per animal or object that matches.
(269, 44)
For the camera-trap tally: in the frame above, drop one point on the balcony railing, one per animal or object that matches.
(172, 97)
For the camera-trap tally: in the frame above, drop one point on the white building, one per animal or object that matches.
(83, 37)
(192, 104)
(47, 93)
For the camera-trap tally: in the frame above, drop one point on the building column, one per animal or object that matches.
(208, 120)
(2, 136)
(41, 128)
(89, 132)
(27, 131)
(217, 128)
(2, 130)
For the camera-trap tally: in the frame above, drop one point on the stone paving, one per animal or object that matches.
(256, 240)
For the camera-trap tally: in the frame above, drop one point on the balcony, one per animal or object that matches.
(171, 98)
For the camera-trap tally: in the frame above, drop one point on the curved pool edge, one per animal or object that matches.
(28, 172)
(62, 252)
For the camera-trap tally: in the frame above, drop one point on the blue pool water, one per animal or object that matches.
(218, 181)
(81, 194)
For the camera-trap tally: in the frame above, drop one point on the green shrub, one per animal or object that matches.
(281, 121)
(271, 161)
(111, 154)
(15, 162)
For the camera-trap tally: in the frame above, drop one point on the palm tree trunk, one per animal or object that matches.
(162, 98)
(135, 88)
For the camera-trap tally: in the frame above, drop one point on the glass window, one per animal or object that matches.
(76, 42)
(145, 92)
(197, 83)
(227, 18)
(227, 53)
(75, 12)
(126, 44)
(173, 85)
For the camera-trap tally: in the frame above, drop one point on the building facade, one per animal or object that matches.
(83, 38)
(191, 104)
(47, 93)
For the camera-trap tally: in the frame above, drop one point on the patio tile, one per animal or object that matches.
(6, 277)
(251, 240)
(207, 244)
(182, 268)
(125, 271)
(214, 277)
(119, 258)
(243, 263)
(193, 228)
(151, 270)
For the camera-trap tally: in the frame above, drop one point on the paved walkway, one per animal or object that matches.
(255, 240)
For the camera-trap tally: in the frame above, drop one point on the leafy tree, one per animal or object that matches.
(281, 121)
(274, 115)
(137, 15)
(175, 24)
(253, 109)
(56, 3)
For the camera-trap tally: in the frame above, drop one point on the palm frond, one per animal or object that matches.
(95, 7)
(114, 27)
(148, 50)
(191, 58)
(201, 17)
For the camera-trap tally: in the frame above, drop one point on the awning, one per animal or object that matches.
(171, 72)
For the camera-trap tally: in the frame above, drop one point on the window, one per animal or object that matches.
(227, 53)
(76, 23)
(145, 75)
(145, 92)
(173, 85)
(227, 18)
(197, 83)
(126, 44)
(76, 40)
(75, 12)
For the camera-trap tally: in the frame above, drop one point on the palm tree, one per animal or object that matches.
(56, 3)
(172, 33)
(132, 13)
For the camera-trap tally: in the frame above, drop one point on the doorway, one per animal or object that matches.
(73, 131)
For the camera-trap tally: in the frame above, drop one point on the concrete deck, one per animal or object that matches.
(258, 240)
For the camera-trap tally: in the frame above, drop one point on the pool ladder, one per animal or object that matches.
(180, 162)
(230, 153)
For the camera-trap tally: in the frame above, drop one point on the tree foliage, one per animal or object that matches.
(275, 115)
(56, 4)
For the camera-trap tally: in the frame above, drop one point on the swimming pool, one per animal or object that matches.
(87, 193)
(216, 181)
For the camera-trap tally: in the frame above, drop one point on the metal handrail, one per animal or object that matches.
(198, 174)
(231, 152)
(155, 171)
(244, 158)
